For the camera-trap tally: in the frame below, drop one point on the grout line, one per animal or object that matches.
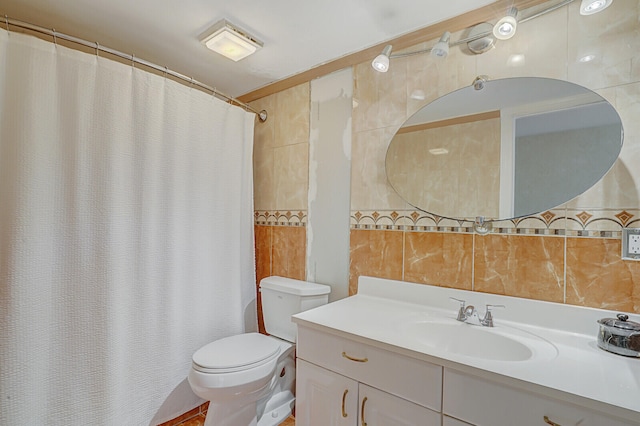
(564, 263)
(473, 262)
(404, 242)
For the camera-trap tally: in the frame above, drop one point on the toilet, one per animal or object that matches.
(249, 378)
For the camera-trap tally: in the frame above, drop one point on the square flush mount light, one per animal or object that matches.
(230, 41)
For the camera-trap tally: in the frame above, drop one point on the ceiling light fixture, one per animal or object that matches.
(589, 7)
(482, 39)
(381, 62)
(441, 48)
(230, 41)
(505, 28)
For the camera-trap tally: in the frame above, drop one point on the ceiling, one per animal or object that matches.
(297, 35)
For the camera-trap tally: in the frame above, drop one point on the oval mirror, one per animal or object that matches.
(504, 149)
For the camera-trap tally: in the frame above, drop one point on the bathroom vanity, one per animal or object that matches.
(395, 353)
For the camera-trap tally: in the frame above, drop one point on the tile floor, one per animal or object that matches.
(198, 420)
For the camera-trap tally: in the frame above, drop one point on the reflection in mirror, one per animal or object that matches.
(512, 148)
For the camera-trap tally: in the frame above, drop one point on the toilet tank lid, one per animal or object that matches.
(297, 287)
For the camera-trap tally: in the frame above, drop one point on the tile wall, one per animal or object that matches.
(570, 254)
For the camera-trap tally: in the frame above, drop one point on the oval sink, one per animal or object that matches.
(480, 342)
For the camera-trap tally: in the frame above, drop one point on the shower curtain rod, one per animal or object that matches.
(262, 115)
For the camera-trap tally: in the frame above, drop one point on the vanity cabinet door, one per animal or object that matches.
(484, 402)
(324, 398)
(408, 378)
(379, 408)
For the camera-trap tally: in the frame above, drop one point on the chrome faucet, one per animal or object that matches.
(470, 314)
(462, 314)
(487, 321)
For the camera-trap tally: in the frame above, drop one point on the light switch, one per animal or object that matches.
(631, 244)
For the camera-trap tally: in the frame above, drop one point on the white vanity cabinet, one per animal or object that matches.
(381, 345)
(480, 402)
(324, 397)
(341, 382)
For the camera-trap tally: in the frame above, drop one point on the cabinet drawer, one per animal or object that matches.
(486, 403)
(416, 381)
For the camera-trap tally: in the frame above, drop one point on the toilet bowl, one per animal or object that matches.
(249, 379)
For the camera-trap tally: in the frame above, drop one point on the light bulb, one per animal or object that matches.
(589, 7)
(505, 28)
(441, 48)
(381, 62)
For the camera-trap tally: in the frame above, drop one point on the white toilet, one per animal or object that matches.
(249, 378)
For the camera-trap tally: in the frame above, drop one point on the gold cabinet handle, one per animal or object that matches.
(344, 399)
(350, 358)
(549, 422)
(364, 401)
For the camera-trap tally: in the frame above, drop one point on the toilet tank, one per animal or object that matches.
(284, 297)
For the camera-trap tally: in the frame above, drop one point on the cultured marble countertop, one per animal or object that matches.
(577, 371)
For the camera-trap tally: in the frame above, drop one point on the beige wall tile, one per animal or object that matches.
(264, 195)
(598, 277)
(292, 115)
(542, 45)
(281, 151)
(521, 266)
(613, 39)
(370, 188)
(380, 97)
(289, 251)
(291, 176)
(442, 259)
(376, 254)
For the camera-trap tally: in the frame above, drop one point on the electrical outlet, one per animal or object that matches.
(631, 243)
(634, 244)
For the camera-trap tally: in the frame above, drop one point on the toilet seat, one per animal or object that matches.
(236, 353)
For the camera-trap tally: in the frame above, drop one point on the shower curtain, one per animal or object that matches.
(126, 234)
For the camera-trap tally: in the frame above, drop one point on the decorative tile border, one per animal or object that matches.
(280, 218)
(598, 223)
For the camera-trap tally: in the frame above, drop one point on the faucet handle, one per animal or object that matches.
(462, 302)
(461, 314)
(489, 307)
(487, 321)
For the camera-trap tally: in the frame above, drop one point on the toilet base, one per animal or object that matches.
(278, 409)
(231, 415)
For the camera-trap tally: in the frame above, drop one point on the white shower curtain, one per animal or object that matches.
(126, 234)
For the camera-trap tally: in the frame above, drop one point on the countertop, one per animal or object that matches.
(578, 372)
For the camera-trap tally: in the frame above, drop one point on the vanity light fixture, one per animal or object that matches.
(482, 39)
(230, 41)
(381, 62)
(441, 48)
(589, 7)
(506, 26)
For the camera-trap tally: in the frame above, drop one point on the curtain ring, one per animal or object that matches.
(97, 49)
(166, 71)
(6, 21)
(55, 40)
(133, 60)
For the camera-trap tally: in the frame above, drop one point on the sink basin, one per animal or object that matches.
(497, 343)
